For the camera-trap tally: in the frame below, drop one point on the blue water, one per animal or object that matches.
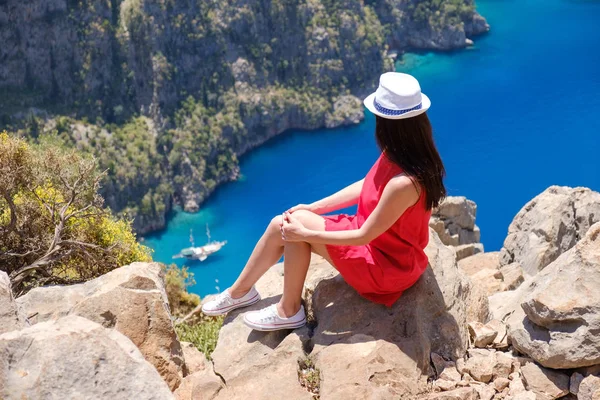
(517, 113)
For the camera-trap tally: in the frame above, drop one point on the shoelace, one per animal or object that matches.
(224, 298)
(268, 314)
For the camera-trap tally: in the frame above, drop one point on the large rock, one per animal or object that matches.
(10, 315)
(201, 385)
(589, 388)
(483, 270)
(457, 210)
(554, 317)
(366, 350)
(194, 359)
(549, 225)
(264, 364)
(454, 222)
(360, 349)
(546, 383)
(130, 299)
(75, 358)
(478, 262)
(480, 364)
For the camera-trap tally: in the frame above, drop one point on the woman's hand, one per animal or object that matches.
(307, 207)
(292, 229)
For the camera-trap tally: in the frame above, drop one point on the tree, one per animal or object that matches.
(53, 225)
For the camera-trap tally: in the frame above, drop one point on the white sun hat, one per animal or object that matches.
(398, 96)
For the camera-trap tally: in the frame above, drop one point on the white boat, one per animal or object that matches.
(200, 253)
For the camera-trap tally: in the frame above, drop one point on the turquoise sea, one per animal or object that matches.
(515, 114)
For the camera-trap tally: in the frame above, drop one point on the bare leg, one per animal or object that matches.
(266, 253)
(296, 262)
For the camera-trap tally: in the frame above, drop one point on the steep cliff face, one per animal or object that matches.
(214, 79)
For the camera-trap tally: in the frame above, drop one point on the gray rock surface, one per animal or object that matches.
(512, 275)
(249, 360)
(480, 364)
(544, 382)
(382, 352)
(75, 358)
(589, 388)
(194, 360)
(550, 224)
(454, 222)
(553, 317)
(371, 352)
(11, 317)
(130, 299)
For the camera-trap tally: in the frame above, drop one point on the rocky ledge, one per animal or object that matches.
(474, 329)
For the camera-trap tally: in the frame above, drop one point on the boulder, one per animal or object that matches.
(454, 222)
(262, 363)
(478, 262)
(457, 210)
(444, 384)
(553, 317)
(489, 280)
(130, 299)
(201, 385)
(480, 364)
(467, 250)
(444, 369)
(380, 352)
(550, 224)
(10, 315)
(516, 386)
(484, 272)
(503, 366)
(589, 388)
(512, 275)
(574, 382)
(194, 359)
(544, 382)
(501, 340)
(486, 392)
(501, 383)
(74, 358)
(481, 335)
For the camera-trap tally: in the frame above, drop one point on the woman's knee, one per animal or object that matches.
(275, 225)
(310, 219)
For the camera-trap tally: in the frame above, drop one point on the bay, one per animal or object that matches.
(518, 112)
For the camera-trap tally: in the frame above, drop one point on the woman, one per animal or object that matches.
(380, 250)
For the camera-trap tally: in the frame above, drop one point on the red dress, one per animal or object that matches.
(381, 270)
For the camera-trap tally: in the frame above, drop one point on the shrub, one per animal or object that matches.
(180, 300)
(53, 225)
(200, 330)
(203, 334)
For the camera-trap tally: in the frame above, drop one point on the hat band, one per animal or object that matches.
(388, 111)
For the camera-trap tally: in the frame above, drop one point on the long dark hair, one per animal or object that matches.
(409, 144)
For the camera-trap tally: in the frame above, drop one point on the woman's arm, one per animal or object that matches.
(399, 194)
(346, 197)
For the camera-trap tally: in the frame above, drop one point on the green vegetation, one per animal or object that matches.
(53, 225)
(203, 334)
(177, 281)
(309, 376)
(200, 330)
(166, 95)
(441, 13)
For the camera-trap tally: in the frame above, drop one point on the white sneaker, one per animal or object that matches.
(225, 303)
(268, 319)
